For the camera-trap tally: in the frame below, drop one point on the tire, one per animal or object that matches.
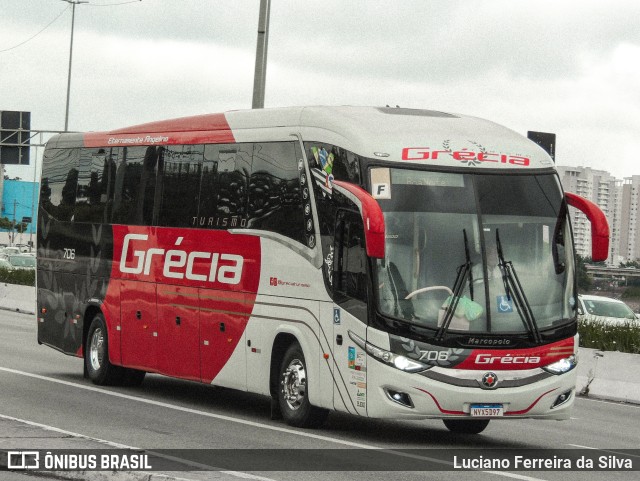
(466, 426)
(96, 355)
(293, 396)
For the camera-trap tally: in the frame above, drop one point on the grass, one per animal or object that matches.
(623, 338)
(22, 277)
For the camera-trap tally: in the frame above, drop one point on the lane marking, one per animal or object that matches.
(112, 444)
(68, 433)
(254, 424)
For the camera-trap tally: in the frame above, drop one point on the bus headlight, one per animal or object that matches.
(562, 366)
(395, 360)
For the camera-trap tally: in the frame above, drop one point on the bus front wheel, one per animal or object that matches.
(466, 426)
(96, 355)
(293, 395)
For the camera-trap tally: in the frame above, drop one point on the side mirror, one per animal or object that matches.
(599, 225)
(371, 213)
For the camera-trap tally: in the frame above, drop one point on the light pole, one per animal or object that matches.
(260, 75)
(73, 17)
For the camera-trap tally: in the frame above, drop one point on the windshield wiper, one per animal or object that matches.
(468, 259)
(512, 286)
(464, 271)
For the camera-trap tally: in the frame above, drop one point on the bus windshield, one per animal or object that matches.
(496, 248)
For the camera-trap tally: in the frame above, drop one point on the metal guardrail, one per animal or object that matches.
(602, 271)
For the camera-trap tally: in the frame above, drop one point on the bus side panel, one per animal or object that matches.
(139, 345)
(350, 370)
(59, 327)
(73, 273)
(223, 320)
(178, 339)
(298, 318)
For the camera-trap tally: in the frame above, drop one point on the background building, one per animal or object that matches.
(19, 200)
(619, 201)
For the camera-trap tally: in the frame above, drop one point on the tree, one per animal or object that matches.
(584, 281)
(634, 264)
(7, 224)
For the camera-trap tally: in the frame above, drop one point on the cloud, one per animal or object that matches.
(566, 67)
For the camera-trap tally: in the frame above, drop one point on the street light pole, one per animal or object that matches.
(73, 17)
(260, 75)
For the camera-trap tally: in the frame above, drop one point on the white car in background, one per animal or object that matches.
(23, 261)
(5, 252)
(605, 310)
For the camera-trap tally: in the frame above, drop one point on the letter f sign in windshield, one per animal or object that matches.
(381, 191)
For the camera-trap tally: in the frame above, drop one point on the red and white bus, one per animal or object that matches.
(383, 262)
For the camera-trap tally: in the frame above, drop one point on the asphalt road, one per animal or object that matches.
(41, 385)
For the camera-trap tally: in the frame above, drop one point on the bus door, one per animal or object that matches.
(178, 331)
(139, 344)
(349, 280)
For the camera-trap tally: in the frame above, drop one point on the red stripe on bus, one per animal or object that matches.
(524, 411)
(518, 359)
(443, 411)
(201, 129)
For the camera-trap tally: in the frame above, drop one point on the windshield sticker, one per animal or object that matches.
(381, 183)
(427, 179)
(504, 304)
(381, 191)
(323, 169)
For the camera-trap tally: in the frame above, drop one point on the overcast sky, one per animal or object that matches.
(570, 67)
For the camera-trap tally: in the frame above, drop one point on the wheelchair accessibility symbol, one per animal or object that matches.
(504, 304)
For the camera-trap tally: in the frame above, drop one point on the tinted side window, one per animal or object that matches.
(134, 185)
(181, 172)
(224, 186)
(59, 182)
(333, 162)
(93, 182)
(350, 265)
(350, 271)
(274, 191)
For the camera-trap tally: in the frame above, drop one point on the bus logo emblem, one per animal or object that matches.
(490, 380)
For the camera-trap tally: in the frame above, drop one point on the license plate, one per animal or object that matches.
(487, 410)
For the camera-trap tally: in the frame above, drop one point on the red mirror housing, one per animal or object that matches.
(371, 213)
(599, 225)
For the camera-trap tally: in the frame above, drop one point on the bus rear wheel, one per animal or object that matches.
(293, 395)
(466, 426)
(96, 355)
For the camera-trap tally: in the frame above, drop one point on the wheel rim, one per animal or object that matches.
(294, 384)
(96, 349)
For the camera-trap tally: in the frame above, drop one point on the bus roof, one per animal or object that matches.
(395, 134)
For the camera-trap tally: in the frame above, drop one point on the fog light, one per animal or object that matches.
(561, 399)
(401, 398)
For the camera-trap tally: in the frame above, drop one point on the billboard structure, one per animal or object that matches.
(545, 140)
(15, 137)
